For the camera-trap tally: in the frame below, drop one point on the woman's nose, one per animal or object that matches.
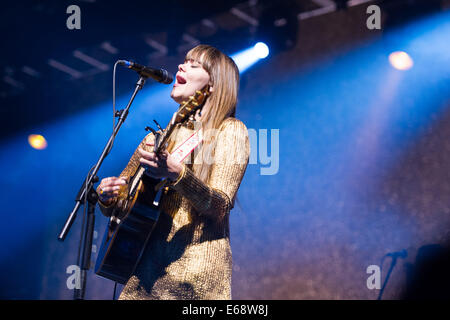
(181, 67)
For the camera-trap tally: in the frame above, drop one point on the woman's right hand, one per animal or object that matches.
(108, 189)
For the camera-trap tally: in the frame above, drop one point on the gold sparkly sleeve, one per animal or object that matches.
(129, 171)
(232, 152)
(133, 164)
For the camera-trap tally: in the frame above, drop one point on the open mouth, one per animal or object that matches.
(181, 80)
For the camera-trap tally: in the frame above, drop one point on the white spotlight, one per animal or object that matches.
(261, 50)
(400, 60)
(247, 57)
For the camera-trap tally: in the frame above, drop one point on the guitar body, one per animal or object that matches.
(127, 234)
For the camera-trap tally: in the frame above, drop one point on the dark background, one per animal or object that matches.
(363, 148)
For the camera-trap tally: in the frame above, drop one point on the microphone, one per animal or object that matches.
(159, 75)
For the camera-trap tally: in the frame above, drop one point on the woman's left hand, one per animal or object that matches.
(160, 166)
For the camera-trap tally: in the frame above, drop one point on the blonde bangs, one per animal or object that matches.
(224, 78)
(207, 56)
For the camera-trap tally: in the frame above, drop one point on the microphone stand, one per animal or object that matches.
(88, 193)
(394, 255)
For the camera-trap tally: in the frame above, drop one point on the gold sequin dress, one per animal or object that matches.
(189, 255)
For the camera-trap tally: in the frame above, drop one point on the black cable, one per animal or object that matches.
(114, 125)
(114, 293)
(84, 214)
(114, 106)
(114, 94)
(83, 221)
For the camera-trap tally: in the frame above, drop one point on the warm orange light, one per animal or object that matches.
(37, 141)
(400, 60)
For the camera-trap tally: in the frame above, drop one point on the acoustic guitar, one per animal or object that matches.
(132, 222)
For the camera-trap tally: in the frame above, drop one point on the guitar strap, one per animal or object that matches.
(183, 150)
(179, 154)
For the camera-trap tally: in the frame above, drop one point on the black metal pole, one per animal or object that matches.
(81, 194)
(88, 194)
(86, 246)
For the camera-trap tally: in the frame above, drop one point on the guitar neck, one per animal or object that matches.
(162, 138)
(186, 109)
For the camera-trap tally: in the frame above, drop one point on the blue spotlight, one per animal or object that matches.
(248, 57)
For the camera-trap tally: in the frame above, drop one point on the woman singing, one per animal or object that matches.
(188, 255)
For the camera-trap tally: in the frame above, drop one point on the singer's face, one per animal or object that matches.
(190, 77)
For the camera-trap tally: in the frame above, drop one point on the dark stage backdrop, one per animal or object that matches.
(358, 176)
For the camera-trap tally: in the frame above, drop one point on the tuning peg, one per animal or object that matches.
(157, 124)
(150, 129)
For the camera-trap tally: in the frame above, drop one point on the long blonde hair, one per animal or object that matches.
(224, 78)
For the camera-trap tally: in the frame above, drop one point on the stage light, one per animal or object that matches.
(261, 50)
(400, 60)
(37, 141)
(248, 57)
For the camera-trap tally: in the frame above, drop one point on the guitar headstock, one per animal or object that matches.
(189, 107)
